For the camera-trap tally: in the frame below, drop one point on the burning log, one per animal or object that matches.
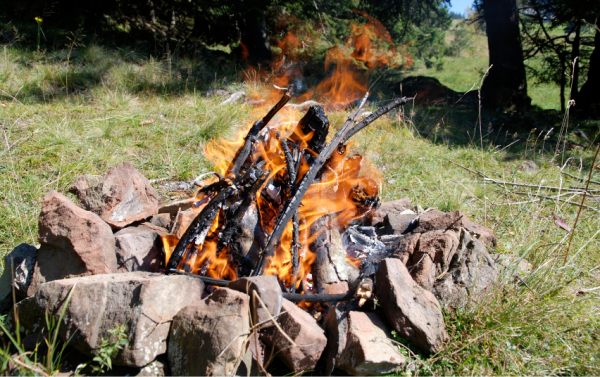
(330, 272)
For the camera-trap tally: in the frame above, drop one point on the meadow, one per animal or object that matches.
(83, 110)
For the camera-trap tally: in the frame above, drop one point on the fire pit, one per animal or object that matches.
(287, 251)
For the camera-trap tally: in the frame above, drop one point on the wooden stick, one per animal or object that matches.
(199, 226)
(579, 179)
(303, 186)
(250, 138)
(536, 186)
(294, 297)
(373, 117)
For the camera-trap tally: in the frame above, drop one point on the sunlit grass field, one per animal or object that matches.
(59, 123)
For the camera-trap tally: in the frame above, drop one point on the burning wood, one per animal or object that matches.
(276, 191)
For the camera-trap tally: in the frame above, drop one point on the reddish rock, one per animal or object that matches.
(432, 257)
(367, 349)
(269, 291)
(404, 247)
(74, 242)
(99, 303)
(139, 249)
(124, 196)
(437, 220)
(203, 330)
(303, 329)
(414, 312)
(387, 210)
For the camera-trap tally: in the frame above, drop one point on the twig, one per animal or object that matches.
(29, 367)
(554, 198)
(256, 296)
(206, 279)
(373, 117)
(587, 185)
(536, 186)
(580, 179)
(162, 319)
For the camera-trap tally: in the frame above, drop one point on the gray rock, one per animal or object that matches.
(139, 249)
(18, 271)
(366, 349)
(303, 329)
(177, 206)
(203, 330)
(99, 303)
(404, 247)
(472, 274)
(162, 220)
(512, 264)
(413, 311)
(269, 291)
(529, 166)
(432, 257)
(74, 242)
(122, 197)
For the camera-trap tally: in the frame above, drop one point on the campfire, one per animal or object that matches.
(281, 206)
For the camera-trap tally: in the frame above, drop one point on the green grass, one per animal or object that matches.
(547, 324)
(460, 73)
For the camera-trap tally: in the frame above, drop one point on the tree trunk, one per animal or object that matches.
(506, 85)
(587, 101)
(255, 36)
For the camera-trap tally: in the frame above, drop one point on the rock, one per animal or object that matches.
(158, 229)
(101, 302)
(18, 271)
(157, 368)
(201, 331)
(269, 291)
(74, 242)
(365, 347)
(437, 220)
(396, 207)
(124, 196)
(303, 329)
(432, 257)
(513, 264)
(177, 206)
(162, 220)
(139, 249)
(183, 221)
(398, 224)
(414, 312)
(234, 98)
(472, 273)
(529, 166)
(391, 209)
(404, 247)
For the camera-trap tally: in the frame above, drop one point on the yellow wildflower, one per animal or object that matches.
(39, 19)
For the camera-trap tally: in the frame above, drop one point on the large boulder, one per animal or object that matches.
(139, 249)
(360, 345)
(207, 338)
(74, 242)
(302, 328)
(268, 290)
(18, 270)
(143, 301)
(122, 197)
(472, 274)
(413, 311)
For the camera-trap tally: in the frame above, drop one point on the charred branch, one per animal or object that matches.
(314, 121)
(199, 228)
(244, 151)
(373, 117)
(294, 202)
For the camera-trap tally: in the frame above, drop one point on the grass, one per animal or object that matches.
(545, 324)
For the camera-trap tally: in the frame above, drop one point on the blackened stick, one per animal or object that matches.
(303, 186)
(373, 117)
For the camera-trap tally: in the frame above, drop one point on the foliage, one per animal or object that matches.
(555, 34)
(102, 362)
